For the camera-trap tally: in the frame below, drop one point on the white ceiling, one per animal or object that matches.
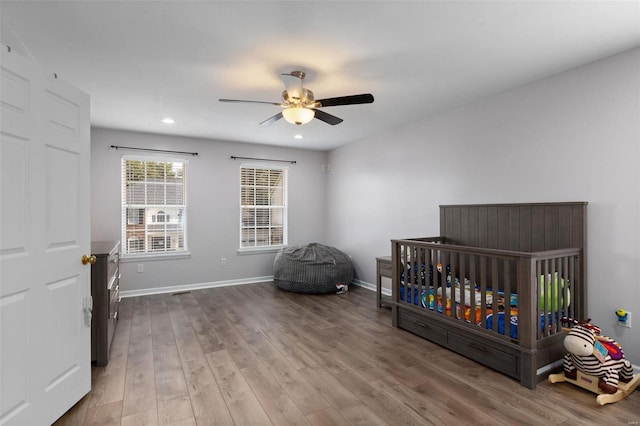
(146, 60)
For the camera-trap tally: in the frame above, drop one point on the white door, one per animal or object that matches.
(45, 345)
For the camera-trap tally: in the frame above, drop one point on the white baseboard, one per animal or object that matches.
(372, 287)
(189, 287)
(200, 286)
(364, 284)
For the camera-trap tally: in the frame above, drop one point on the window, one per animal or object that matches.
(154, 205)
(135, 216)
(135, 245)
(263, 207)
(160, 243)
(160, 217)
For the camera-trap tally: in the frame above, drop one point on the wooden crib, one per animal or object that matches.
(495, 284)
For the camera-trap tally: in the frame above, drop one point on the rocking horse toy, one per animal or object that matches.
(595, 363)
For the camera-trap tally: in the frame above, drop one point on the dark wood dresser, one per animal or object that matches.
(105, 290)
(383, 269)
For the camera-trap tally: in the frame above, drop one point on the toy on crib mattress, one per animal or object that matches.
(594, 355)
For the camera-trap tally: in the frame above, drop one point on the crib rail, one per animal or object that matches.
(515, 296)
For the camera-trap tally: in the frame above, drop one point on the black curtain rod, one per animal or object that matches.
(233, 157)
(153, 150)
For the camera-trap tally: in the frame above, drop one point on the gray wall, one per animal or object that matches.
(213, 202)
(572, 137)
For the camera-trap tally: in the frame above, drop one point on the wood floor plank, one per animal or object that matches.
(330, 389)
(146, 418)
(186, 422)
(173, 400)
(104, 415)
(241, 401)
(301, 392)
(108, 385)
(207, 402)
(386, 406)
(203, 329)
(429, 410)
(173, 409)
(298, 354)
(235, 345)
(140, 383)
(360, 415)
(209, 406)
(273, 398)
(326, 417)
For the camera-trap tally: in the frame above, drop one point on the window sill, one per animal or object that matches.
(129, 258)
(259, 250)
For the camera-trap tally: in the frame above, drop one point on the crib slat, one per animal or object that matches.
(574, 289)
(442, 281)
(554, 283)
(507, 298)
(463, 288)
(495, 287)
(406, 268)
(414, 270)
(565, 291)
(421, 270)
(537, 292)
(450, 298)
(415, 267)
(472, 277)
(545, 301)
(483, 291)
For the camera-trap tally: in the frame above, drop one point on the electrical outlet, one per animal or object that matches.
(140, 267)
(223, 261)
(626, 323)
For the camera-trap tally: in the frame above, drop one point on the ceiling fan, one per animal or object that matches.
(300, 106)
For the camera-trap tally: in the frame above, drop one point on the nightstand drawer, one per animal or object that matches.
(385, 269)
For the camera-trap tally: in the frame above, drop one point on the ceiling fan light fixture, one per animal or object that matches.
(298, 115)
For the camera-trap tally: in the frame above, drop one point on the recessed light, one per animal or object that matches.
(168, 120)
(298, 136)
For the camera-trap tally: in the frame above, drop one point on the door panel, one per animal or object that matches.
(15, 375)
(62, 308)
(45, 341)
(62, 198)
(13, 203)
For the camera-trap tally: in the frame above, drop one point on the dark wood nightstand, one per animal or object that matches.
(383, 269)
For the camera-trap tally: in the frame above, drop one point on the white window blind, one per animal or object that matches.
(263, 206)
(154, 207)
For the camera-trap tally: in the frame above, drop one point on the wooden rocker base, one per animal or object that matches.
(590, 383)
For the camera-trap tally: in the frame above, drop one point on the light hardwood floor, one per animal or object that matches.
(256, 355)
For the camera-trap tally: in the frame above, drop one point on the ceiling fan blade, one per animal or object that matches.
(293, 84)
(365, 98)
(327, 118)
(271, 120)
(253, 102)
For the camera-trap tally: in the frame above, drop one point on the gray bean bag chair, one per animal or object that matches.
(311, 268)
